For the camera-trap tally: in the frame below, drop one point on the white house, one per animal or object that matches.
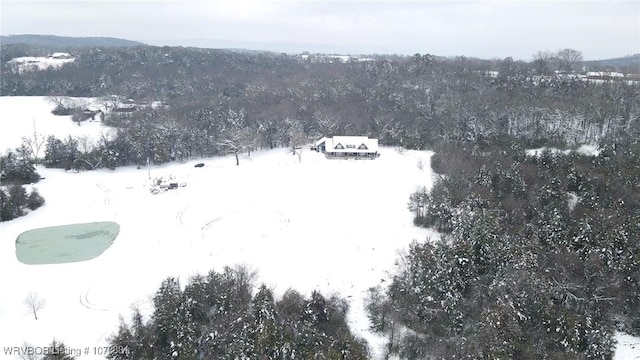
(604, 75)
(358, 147)
(60, 55)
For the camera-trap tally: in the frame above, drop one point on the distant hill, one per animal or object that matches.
(261, 47)
(65, 41)
(627, 64)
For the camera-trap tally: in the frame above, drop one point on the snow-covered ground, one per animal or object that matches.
(585, 149)
(321, 224)
(628, 347)
(34, 63)
(331, 225)
(588, 149)
(19, 114)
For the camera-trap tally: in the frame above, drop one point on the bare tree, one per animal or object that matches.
(111, 102)
(387, 129)
(34, 302)
(34, 144)
(93, 159)
(297, 138)
(238, 136)
(85, 144)
(568, 59)
(326, 124)
(106, 137)
(544, 62)
(60, 101)
(252, 139)
(80, 104)
(234, 142)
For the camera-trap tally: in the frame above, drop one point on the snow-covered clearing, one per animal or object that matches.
(19, 114)
(35, 63)
(588, 149)
(321, 224)
(332, 225)
(585, 149)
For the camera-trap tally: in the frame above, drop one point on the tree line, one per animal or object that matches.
(416, 102)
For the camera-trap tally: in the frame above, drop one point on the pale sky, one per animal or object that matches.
(479, 28)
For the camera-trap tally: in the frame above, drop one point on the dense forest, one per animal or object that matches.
(223, 102)
(539, 256)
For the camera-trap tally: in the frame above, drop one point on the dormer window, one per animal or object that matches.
(339, 146)
(363, 147)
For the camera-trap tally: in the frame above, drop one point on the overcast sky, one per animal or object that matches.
(480, 28)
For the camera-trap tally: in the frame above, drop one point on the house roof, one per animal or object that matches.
(320, 141)
(357, 144)
(604, 73)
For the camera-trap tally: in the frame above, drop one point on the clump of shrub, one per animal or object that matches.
(14, 201)
(34, 200)
(61, 110)
(16, 168)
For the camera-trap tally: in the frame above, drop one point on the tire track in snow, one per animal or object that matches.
(285, 221)
(179, 216)
(84, 301)
(107, 193)
(210, 223)
(206, 226)
(282, 221)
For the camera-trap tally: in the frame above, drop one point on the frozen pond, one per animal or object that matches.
(66, 243)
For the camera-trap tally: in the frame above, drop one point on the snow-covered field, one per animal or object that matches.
(319, 224)
(331, 225)
(34, 63)
(19, 114)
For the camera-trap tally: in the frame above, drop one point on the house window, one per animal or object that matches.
(363, 147)
(339, 146)
(351, 146)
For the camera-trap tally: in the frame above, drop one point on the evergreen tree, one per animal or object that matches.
(18, 196)
(16, 168)
(7, 207)
(54, 153)
(134, 339)
(268, 332)
(166, 319)
(59, 351)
